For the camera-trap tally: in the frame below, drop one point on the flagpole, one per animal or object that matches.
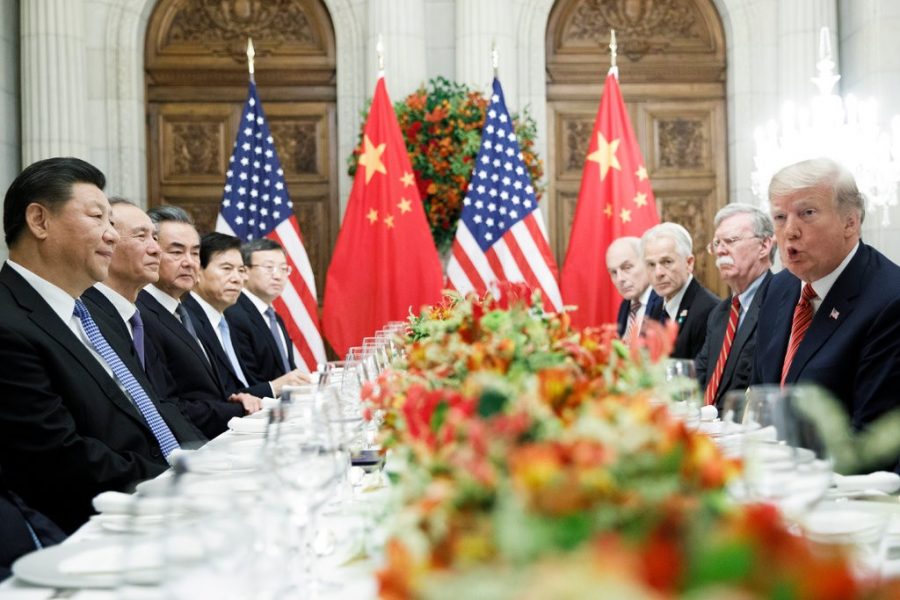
(250, 54)
(379, 51)
(613, 68)
(495, 59)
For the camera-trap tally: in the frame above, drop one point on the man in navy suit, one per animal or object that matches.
(629, 275)
(668, 253)
(219, 284)
(832, 317)
(168, 325)
(258, 332)
(77, 414)
(744, 245)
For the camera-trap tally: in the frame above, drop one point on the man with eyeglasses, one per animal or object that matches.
(260, 337)
(219, 285)
(744, 247)
(667, 250)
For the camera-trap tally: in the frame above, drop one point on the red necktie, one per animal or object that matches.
(730, 330)
(803, 315)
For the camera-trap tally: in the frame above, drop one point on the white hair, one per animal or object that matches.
(633, 242)
(684, 245)
(763, 228)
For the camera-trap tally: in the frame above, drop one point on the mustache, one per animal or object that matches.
(724, 260)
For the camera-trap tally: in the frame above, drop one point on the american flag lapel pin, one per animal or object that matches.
(834, 314)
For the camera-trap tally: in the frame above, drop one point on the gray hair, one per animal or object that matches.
(633, 242)
(114, 200)
(817, 172)
(762, 223)
(684, 245)
(169, 214)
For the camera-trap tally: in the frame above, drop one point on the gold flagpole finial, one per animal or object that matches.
(613, 46)
(495, 58)
(250, 54)
(379, 51)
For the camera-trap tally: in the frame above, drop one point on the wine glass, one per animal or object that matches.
(786, 462)
(683, 390)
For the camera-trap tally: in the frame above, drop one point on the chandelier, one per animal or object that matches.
(844, 130)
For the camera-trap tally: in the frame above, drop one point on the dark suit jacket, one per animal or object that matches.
(692, 314)
(654, 305)
(67, 431)
(852, 346)
(15, 539)
(217, 355)
(196, 383)
(739, 365)
(154, 362)
(254, 343)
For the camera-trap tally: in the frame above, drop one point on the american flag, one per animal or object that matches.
(256, 204)
(501, 234)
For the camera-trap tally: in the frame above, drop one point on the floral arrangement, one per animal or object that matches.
(540, 462)
(441, 124)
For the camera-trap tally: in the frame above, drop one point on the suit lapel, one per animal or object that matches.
(289, 343)
(40, 313)
(208, 337)
(745, 331)
(174, 326)
(835, 308)
(260, 323)
(686, 301)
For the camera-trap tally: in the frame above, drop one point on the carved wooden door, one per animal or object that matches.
(672, 75)
(196, 78)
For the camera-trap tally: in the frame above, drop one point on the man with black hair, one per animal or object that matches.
(77, 414)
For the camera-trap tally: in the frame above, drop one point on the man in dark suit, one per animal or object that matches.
(168, 325)
(667, 250)
(219, 284)
(744, 245)
(134, 264)
(22, 530)
(833, 315)
(629, 275)
(258, 332)
(77, 415)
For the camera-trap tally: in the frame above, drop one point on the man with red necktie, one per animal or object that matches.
(744, 245)
(832, 317)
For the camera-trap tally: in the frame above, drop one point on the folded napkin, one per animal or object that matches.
(882, 481)
(117, 503)
(708, 413)
(112, 559)
(240, 425)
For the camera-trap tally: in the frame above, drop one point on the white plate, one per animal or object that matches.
(43, 567)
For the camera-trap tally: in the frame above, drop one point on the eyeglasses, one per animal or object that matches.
(271, 269)
(727, 243)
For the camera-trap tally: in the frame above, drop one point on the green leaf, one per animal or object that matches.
(439, 416)
(491, 402)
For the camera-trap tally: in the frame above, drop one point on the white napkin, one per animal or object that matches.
(270, 403)
(239, 425)
(708, 413)
(111, 559)
(117, 503)
(882, 481)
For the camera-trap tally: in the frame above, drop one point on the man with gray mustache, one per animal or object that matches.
(744, 247)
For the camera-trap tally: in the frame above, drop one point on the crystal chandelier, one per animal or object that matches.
(846, 131)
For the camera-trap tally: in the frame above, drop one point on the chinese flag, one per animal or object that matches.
(615, 200)
(384, 262)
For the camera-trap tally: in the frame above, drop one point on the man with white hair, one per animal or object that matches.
(744, 245)
(629, 275)
(833, 315)
(670, 262)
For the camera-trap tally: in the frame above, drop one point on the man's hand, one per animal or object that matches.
(295, 377)
(251, 403)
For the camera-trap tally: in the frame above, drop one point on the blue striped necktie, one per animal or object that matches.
(225, 332)
(161, 431)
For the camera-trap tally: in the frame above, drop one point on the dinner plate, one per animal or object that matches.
(43, 567)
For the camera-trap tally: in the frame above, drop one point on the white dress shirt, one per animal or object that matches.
(124, 307)
(673, 304)
(824, 285)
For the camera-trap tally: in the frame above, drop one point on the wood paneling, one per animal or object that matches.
(196, 78)
(672, 75)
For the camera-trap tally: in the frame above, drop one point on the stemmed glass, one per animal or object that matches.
(786, 462)
(683, 390)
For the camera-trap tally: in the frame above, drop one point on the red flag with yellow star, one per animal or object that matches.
(385, 261)
(615, 200)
